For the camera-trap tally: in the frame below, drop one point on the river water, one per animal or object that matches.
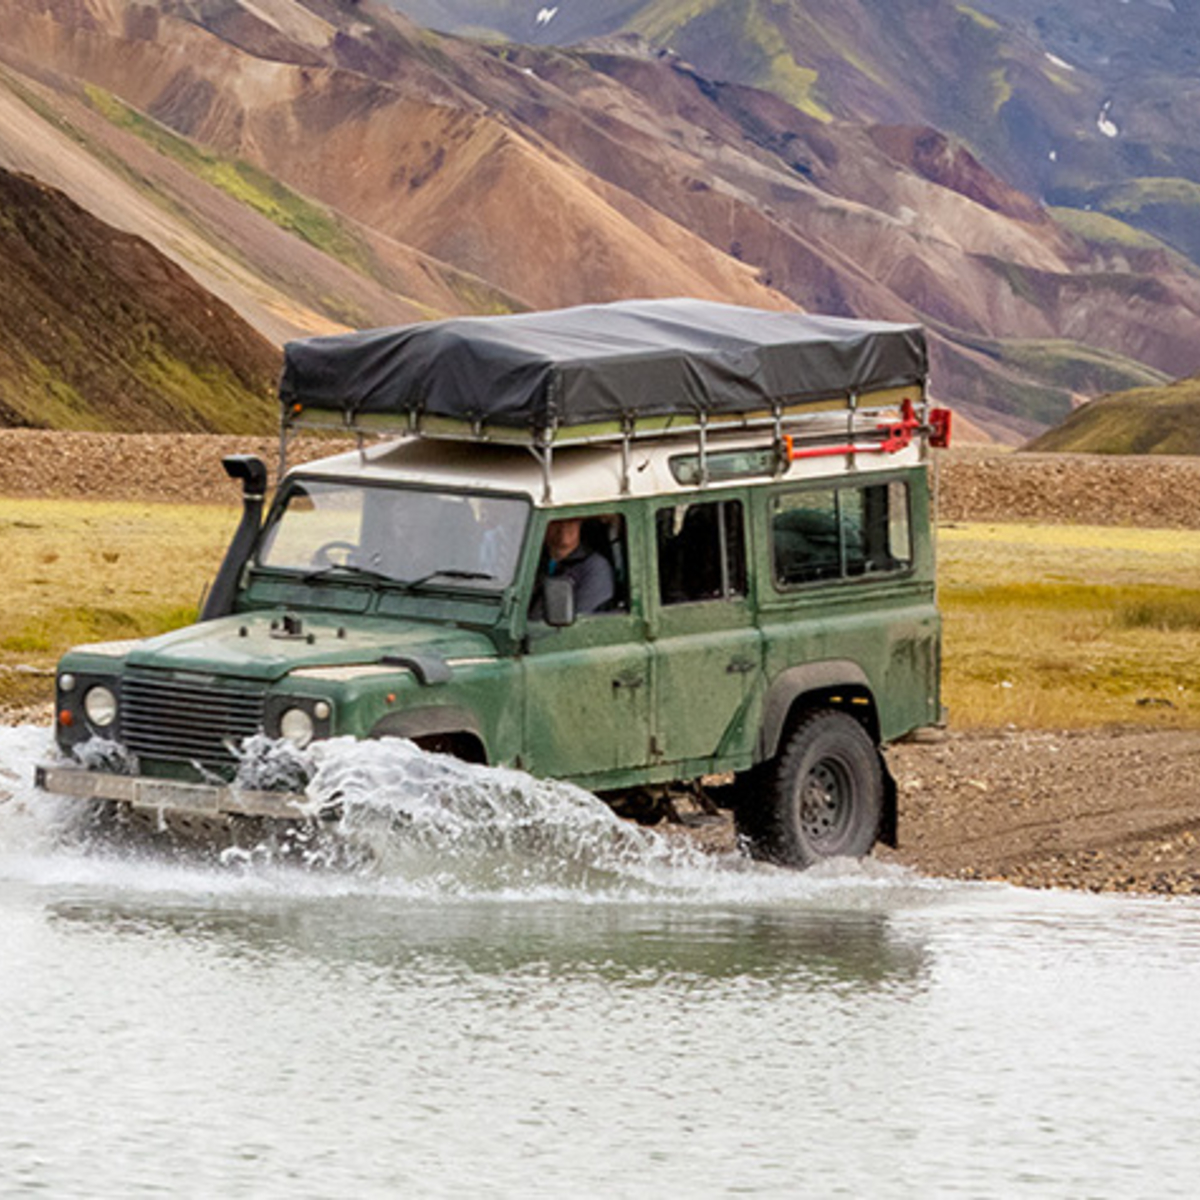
(517, 995)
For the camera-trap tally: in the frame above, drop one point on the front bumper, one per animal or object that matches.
(170, 796)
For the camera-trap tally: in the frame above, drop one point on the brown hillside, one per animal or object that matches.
(449, 176)
(102, 331)
(281, 282)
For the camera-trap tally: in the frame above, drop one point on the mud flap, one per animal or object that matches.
(889, 824)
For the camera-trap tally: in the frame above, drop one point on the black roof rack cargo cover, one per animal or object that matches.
(608, 363)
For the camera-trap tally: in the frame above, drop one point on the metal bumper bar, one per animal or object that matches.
(168, 795)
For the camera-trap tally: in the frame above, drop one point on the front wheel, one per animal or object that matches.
(824, 798)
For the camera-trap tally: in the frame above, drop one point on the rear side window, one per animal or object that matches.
(701, 551)
(840, 533)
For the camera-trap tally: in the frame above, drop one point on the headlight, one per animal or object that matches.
(297, 727)
(100, 705)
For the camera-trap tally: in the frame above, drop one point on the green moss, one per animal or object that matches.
(42, 396)
(212, 396)
(753, 28)
(1062, 77)
(1132, 197)
(660, 21)
(1019, 280)
(783, 75)
(478, 296)
(1077, 367)
(1103, 230)
(1001, 88)
(978, 18)
(244, 182)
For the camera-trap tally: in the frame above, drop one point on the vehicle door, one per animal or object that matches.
(707, 648)
(587, 685)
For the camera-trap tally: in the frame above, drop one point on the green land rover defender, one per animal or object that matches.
(746, 592)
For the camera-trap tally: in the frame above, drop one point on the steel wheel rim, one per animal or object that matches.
(825, 801)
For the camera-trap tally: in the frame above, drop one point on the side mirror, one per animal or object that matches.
(558, 601)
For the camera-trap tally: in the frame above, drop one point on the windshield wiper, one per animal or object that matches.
(349, 569)
(447, 573)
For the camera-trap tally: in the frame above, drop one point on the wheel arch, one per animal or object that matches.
(447, 729)
(838, 684)
(835, 683)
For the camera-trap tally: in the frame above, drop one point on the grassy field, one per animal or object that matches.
(1070, 626)
(1045, 626)
(79, 571)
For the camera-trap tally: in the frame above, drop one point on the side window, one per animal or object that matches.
(591, 552)
(837, 533)
(701, 551)
(805, 538)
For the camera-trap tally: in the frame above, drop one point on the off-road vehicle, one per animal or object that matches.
(755, 482)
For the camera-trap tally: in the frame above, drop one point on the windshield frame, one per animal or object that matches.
(448, 577)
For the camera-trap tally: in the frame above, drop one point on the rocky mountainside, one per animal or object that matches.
(1092, 106)
(320, 165)
(101, 331)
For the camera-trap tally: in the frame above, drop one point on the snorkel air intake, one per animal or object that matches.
(253, 474)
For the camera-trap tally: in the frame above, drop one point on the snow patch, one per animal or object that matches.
(1105, 124)
(546, 15)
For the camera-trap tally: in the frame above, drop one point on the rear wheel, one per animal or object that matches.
(824, 798)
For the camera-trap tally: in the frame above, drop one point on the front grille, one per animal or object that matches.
(180, 721)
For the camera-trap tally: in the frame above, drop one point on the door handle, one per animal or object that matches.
(629, 681)
(740, 666)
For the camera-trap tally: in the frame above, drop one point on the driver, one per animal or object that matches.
(566, 555)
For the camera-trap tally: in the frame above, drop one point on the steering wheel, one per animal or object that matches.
(323, 556)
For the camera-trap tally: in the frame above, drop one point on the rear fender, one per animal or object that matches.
(817, 679)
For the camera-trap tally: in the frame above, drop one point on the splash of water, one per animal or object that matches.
(423, 825)
(469, 828)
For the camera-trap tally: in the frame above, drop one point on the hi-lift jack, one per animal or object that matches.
(894, 436)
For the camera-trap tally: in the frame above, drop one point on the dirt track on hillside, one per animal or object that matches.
(1106, 810)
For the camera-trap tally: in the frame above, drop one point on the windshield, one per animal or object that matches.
(400, 535)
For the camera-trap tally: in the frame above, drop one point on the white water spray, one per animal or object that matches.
(421, 825)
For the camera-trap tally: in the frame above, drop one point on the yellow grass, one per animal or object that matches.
(1045, 626)
(76, 571)
(1070, 626)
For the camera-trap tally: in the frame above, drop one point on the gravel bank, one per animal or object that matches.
(972, 485)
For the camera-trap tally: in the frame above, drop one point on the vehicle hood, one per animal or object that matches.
(269, 645)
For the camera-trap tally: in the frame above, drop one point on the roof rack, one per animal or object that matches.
(882, 422)
(617, 374)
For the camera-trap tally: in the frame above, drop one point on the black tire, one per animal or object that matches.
(825, 797)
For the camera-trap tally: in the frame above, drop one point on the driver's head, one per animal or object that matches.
(562, 537)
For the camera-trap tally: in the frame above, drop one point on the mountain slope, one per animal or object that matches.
(322, 164)
(102, 332)
(1164, 420)
(287, 265)
(1051, 94)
